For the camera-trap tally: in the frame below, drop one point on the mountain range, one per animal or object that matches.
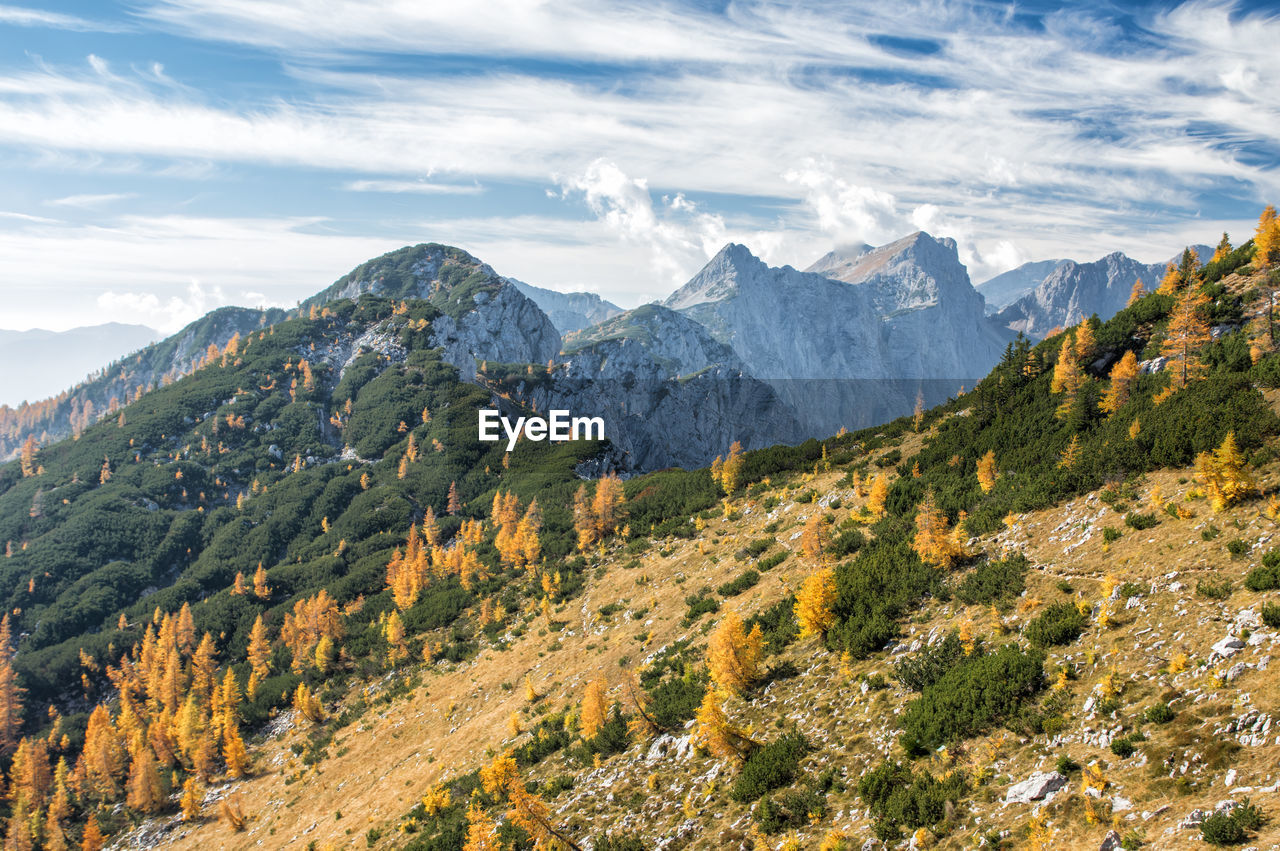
(742, 352)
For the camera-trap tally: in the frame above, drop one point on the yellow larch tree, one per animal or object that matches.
(1187, 333)
(731, 470)
(934, 541)
(481, 830)
(260, 589)
(734, 656)
(1136, 293)
(1225, 474)
(815, 537)
(1224, 248)
(1070, 455)
(714, 731)
(815, 603)
(987, 472)
(259, 656)
(1266, 239)
(595, 709)
(1067, 375)
(877, 499)
(1122, 377)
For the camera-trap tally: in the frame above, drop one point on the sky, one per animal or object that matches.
(159, 158)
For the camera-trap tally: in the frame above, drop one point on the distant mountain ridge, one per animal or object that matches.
(1068, 291)
(569, 311)
(37, 364)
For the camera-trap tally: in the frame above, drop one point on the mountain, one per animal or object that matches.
(1071, 291)
(1006, 288)
(37, 364)
(899, 321)
(569, 311)
(486, 317)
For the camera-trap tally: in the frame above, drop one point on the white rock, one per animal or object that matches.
(1035, 787)
(1228, 646)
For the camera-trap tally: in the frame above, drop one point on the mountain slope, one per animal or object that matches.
(37, 364)
(1071, 291)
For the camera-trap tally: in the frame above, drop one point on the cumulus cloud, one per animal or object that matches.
(678, 235)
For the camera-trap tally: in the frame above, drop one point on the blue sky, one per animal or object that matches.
(159, 158)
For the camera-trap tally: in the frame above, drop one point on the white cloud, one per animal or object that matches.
(847, 212)
(165, 271)
(24, 17)
(413, 186)
(148, 308)
(89, 201)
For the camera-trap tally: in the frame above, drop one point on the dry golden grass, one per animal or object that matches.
(381, 766)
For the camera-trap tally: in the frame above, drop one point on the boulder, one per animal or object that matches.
(1110, 842)
(1035, 787)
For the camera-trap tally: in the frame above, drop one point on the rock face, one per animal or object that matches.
(668, 392)
(1074, 291)
(569, 311)
(503, 326)
(899, 321)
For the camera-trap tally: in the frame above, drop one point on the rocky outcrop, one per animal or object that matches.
(1035, 787)
(486, 317)
(503, 326)
(569, 311)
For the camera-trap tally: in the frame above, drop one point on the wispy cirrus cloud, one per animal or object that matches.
(89, 201)
(415, 187)
(26, 17)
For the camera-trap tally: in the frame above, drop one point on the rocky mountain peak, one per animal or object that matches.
(910, 273)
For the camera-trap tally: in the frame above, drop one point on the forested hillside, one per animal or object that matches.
(298, 561)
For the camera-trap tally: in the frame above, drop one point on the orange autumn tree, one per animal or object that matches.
(311, 619)
(1225, 474)
(815, 603)
(734, 656)
(1266, 239)
(1122, 377)
(595, 709)
(1068, 378)
(814, 538)
(1187, 333)
(10, 692)
(935, 541)
(597, 517)
(879, 495)
(987, 473)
